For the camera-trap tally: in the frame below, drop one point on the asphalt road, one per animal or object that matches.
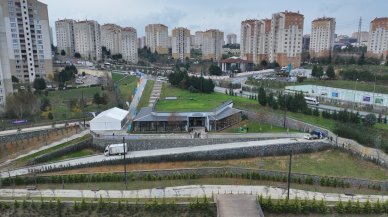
(189, 191)
(157, 152)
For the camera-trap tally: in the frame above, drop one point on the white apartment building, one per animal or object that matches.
(65, 36)
(322, 37)
(363, 36)
(198, 40)
(231, 38)
(213, 40)
(286, 38)
(254, 41)
(129, 44)
(111, 38)
(25, 42)
(378, 37)
(181, 43)
(157, 38)
(87, 39)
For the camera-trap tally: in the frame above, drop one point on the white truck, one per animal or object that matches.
(116, 149)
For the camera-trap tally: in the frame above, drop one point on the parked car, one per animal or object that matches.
(311, 137)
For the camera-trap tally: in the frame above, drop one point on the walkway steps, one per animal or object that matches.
(229, 205)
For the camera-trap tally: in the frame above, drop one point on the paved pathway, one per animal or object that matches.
(192, 191)
(155, 94)
(229, 205)
(75, 136)
(137, 97)
(32, 129)
(160, 152)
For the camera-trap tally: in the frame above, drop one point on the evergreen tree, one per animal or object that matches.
(314, 71)
(361, 59)
(330, 72)
(262, 97)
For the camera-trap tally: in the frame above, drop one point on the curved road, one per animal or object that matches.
(158, 152)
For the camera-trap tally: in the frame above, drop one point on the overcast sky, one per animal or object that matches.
(225, 15)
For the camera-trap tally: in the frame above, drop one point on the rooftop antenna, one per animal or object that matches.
(359, 34)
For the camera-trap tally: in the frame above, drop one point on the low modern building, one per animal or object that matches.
(339, 94)
(150, 121)
(112, 119)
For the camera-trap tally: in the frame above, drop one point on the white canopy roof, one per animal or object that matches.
(112, 114)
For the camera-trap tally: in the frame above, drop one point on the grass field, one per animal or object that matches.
(80, 153)
(22, 161)
(60, 102)
(325, 163)
(127, 85)
(256, 127)
(188, 101)
(145, 98)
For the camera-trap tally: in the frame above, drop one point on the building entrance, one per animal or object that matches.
(197, 121)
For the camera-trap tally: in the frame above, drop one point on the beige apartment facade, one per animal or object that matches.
(156, 38)
(181, 43)
(213, 40)
(378, 38)
(322, 37)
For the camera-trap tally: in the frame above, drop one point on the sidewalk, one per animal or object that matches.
(190, 191)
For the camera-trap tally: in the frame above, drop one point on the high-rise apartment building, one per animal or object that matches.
(286, 38)
(322, 37)
(26, 53)
(254, 43)
(231, 38)
(181, 43)
(111, 38)
(65, 36)
(156, 38)
(87, 39)
(378, 37)
(198, 40)
(129, 44)
(213, 40)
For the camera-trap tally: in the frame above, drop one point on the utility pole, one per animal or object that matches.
(125, 166)
(83, 107)
(359, 35)
(289, 177)
(285, 110)
(355, 89)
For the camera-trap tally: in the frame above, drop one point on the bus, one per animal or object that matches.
(311, 100)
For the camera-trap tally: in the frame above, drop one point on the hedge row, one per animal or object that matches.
(103, 206)
(118, 177)
(305, 206)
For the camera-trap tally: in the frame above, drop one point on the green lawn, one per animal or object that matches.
(22, 161)
(60, 101)
(188, 101)
(382, 126)
(145, 98)
(256, 127)
(127, 85)
(311, 119)
(80, 153)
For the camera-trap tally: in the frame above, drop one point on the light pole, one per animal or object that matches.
(125, 165)
(289, 177)
(355, 88)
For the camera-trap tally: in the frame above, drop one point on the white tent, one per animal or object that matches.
(112, 119)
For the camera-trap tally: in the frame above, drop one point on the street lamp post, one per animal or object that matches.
(285, 110)
(125, 165)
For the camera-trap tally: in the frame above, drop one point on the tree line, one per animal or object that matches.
(194, 84)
